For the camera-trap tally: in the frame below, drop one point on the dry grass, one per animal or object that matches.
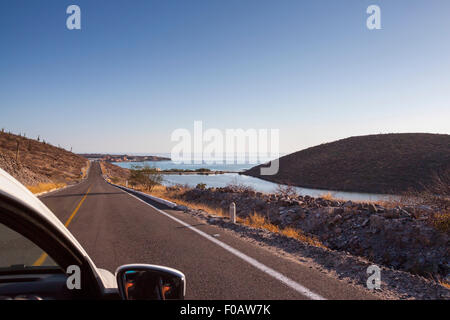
(441, 221)
(260, 222)
(116, 174)
(163, 192)
(44, 187)
(328, 196)
(85, 170)
(175, 196)
(255, 220)
(444, 284)
(299, 235)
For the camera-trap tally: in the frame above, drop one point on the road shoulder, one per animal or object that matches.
(348, 273)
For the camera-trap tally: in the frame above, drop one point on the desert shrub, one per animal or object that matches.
(201, 186)
(239, 187)
(202, 170)
(286, 191)
(146, 176)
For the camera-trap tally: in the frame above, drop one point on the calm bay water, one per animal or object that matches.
(222, 180)
(166, 165)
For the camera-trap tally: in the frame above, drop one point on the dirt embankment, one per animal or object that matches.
(384, 163)
(36, 163)
(115, 173)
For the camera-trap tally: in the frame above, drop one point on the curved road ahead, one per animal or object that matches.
(116, 228)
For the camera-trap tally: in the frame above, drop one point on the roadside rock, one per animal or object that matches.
(372, 208)
(376, 222)
(394, 237)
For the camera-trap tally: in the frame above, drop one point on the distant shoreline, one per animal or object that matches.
(201, 171)
(196, 172)
(122, 157)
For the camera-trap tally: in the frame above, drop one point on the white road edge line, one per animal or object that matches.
(275, 274)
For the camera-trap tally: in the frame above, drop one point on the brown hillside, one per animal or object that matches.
(385, 163)
(38, 162)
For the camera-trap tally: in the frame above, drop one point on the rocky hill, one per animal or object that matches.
(34, 162)
(384, 163)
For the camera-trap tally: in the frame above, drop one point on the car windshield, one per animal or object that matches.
(17, 252)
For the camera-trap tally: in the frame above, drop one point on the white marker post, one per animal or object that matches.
(233, 212)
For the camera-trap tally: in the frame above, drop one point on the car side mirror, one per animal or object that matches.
(150, 282)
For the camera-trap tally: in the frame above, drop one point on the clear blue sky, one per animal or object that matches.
(140, 69)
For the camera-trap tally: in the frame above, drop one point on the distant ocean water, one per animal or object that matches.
(222, 180)
(221, 165)
(166, 165)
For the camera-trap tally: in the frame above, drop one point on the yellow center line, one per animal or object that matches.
(77, 208)
(43, 256)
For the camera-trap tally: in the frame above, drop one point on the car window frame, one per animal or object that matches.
(45, 235)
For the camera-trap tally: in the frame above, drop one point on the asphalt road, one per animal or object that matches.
(115, 228)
